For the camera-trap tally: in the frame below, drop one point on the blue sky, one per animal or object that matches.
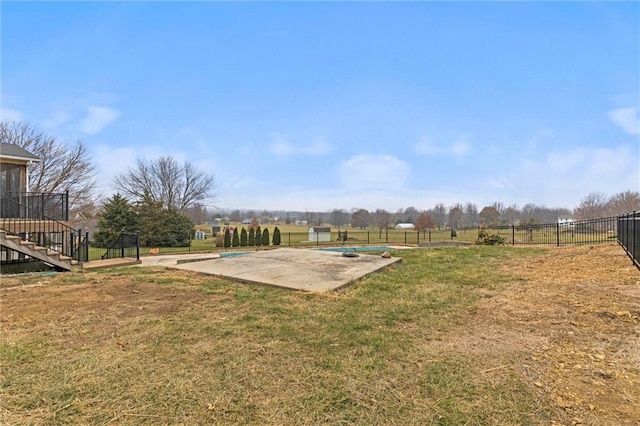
(340, 105)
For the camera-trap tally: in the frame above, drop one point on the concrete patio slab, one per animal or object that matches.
(296, 269)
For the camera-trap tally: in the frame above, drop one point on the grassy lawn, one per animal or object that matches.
(156, 346)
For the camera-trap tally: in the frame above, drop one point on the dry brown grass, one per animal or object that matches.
(486, 335)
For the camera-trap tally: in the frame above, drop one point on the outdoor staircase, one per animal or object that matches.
(54, 258)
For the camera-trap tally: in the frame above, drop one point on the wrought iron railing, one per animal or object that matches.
(127, 245)
(34, 205)
(42, 230)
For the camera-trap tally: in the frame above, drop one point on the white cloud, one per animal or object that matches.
(281, 147)
(564, 161)
(10, 114)
(98, 118)
(371, 171)
(627, 119)
(458, 148)
(500, 182)
(425, 147)
(56, 119)
(318, 146)
(562, 178)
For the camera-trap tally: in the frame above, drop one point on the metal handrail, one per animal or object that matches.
(34, 226)
(27, 204)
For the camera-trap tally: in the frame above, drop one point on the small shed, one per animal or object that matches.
(319, 233)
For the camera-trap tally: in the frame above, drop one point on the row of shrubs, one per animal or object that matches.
(252, 238)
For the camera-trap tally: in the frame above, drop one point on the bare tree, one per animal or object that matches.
(439, 214)
(338, 217)
(61, 168)
(592, 206)
(489, 215)
(360, 218)
(455, 215)
(175, 186)
(623, 202)
(470, 214)
(197, 213)
(383, 219)
(510, 214)
(424, 222)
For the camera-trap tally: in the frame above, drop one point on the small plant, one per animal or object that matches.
(490, 239)
(265, 237)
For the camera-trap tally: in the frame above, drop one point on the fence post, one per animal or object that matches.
(66, 206)
(121, 244)
(557, 234)
(86, 246)
(368, 240)
(429, 235)
(386, 235)
(72, 238)
(289, 239)
(418, 238)
(635, 236)
(513, 235)
(137, 245)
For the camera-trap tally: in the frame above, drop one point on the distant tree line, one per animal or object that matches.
(458, 215)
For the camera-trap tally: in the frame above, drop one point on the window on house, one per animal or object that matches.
(10, 177)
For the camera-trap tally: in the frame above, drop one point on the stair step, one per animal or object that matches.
(31, 249)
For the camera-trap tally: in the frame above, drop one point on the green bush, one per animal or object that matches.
(490, 239)
(258, 237)
(276, 236)
(243, 238)
(265, 237)
(252, 237)
(227, 238)
(235, 241)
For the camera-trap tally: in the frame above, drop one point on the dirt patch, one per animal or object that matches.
(95, 307)
(570, 322)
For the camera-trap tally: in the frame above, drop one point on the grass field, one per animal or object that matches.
(440, 339)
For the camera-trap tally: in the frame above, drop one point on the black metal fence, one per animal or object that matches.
(591, 231)
(126, 245)
(30, 224)
(629, 235)
(559, 234)
(35, 205)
